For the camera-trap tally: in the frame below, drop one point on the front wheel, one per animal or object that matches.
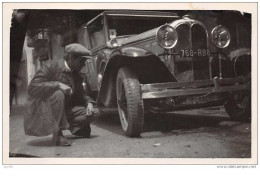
(239, 110)
(130, 104)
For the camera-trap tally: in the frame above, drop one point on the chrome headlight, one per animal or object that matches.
(166, 36)
(113, 43)
(220, 36)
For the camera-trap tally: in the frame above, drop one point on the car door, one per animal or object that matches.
(92, 36)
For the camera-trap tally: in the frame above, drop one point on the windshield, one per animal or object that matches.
(129, 25)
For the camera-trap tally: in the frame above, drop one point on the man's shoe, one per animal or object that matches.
(84, 132)
(59, 140)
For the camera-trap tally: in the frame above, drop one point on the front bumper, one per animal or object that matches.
(174, 89)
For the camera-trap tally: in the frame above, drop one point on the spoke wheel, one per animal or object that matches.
(239, 110)
(130, 104)
(122, 107)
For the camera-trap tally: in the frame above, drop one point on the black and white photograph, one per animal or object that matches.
(130, 83)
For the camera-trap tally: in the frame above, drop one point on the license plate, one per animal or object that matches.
(203, 99)
(193, 53)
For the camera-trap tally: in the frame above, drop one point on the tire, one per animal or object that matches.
(130, 104)
(239, 111)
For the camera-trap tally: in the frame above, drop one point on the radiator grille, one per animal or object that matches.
(187, 68)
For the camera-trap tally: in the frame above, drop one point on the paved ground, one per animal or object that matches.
(203, 133)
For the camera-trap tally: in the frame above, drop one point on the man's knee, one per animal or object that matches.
(58, 95)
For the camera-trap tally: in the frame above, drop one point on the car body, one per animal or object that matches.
(159, 62)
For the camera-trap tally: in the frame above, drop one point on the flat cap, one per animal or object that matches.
(78, 49)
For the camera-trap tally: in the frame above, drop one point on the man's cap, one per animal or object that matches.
(78, 49)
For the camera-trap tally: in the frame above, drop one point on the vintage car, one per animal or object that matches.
(150, 61)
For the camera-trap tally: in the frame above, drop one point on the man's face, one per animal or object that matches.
(77, 62)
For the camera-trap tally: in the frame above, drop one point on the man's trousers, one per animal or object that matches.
(73, 115)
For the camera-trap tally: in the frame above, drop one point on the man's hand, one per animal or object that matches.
(90, 109)
(66, 89)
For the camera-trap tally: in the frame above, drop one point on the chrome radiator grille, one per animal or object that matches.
(192, 38)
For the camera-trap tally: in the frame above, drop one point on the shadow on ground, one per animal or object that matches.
(41, 142)
(47, 141)
(166, 123)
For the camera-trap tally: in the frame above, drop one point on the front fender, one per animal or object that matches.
(239, 52)
(141, 61)
(241, 59)
(130, 52)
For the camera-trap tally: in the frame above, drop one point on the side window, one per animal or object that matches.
(96, 33)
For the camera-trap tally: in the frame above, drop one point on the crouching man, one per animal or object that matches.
(57, 100)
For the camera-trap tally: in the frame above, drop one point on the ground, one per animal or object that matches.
(202, 133)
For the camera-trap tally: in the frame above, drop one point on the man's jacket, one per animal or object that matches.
(38, 119)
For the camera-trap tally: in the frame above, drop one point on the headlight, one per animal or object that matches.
(220, 36)
(166, 36)
(114, 42)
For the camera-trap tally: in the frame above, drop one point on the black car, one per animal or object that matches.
(161, 61)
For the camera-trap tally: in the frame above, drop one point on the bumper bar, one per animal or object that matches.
(173, 89)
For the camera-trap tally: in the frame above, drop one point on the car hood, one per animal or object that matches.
(152, 33)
